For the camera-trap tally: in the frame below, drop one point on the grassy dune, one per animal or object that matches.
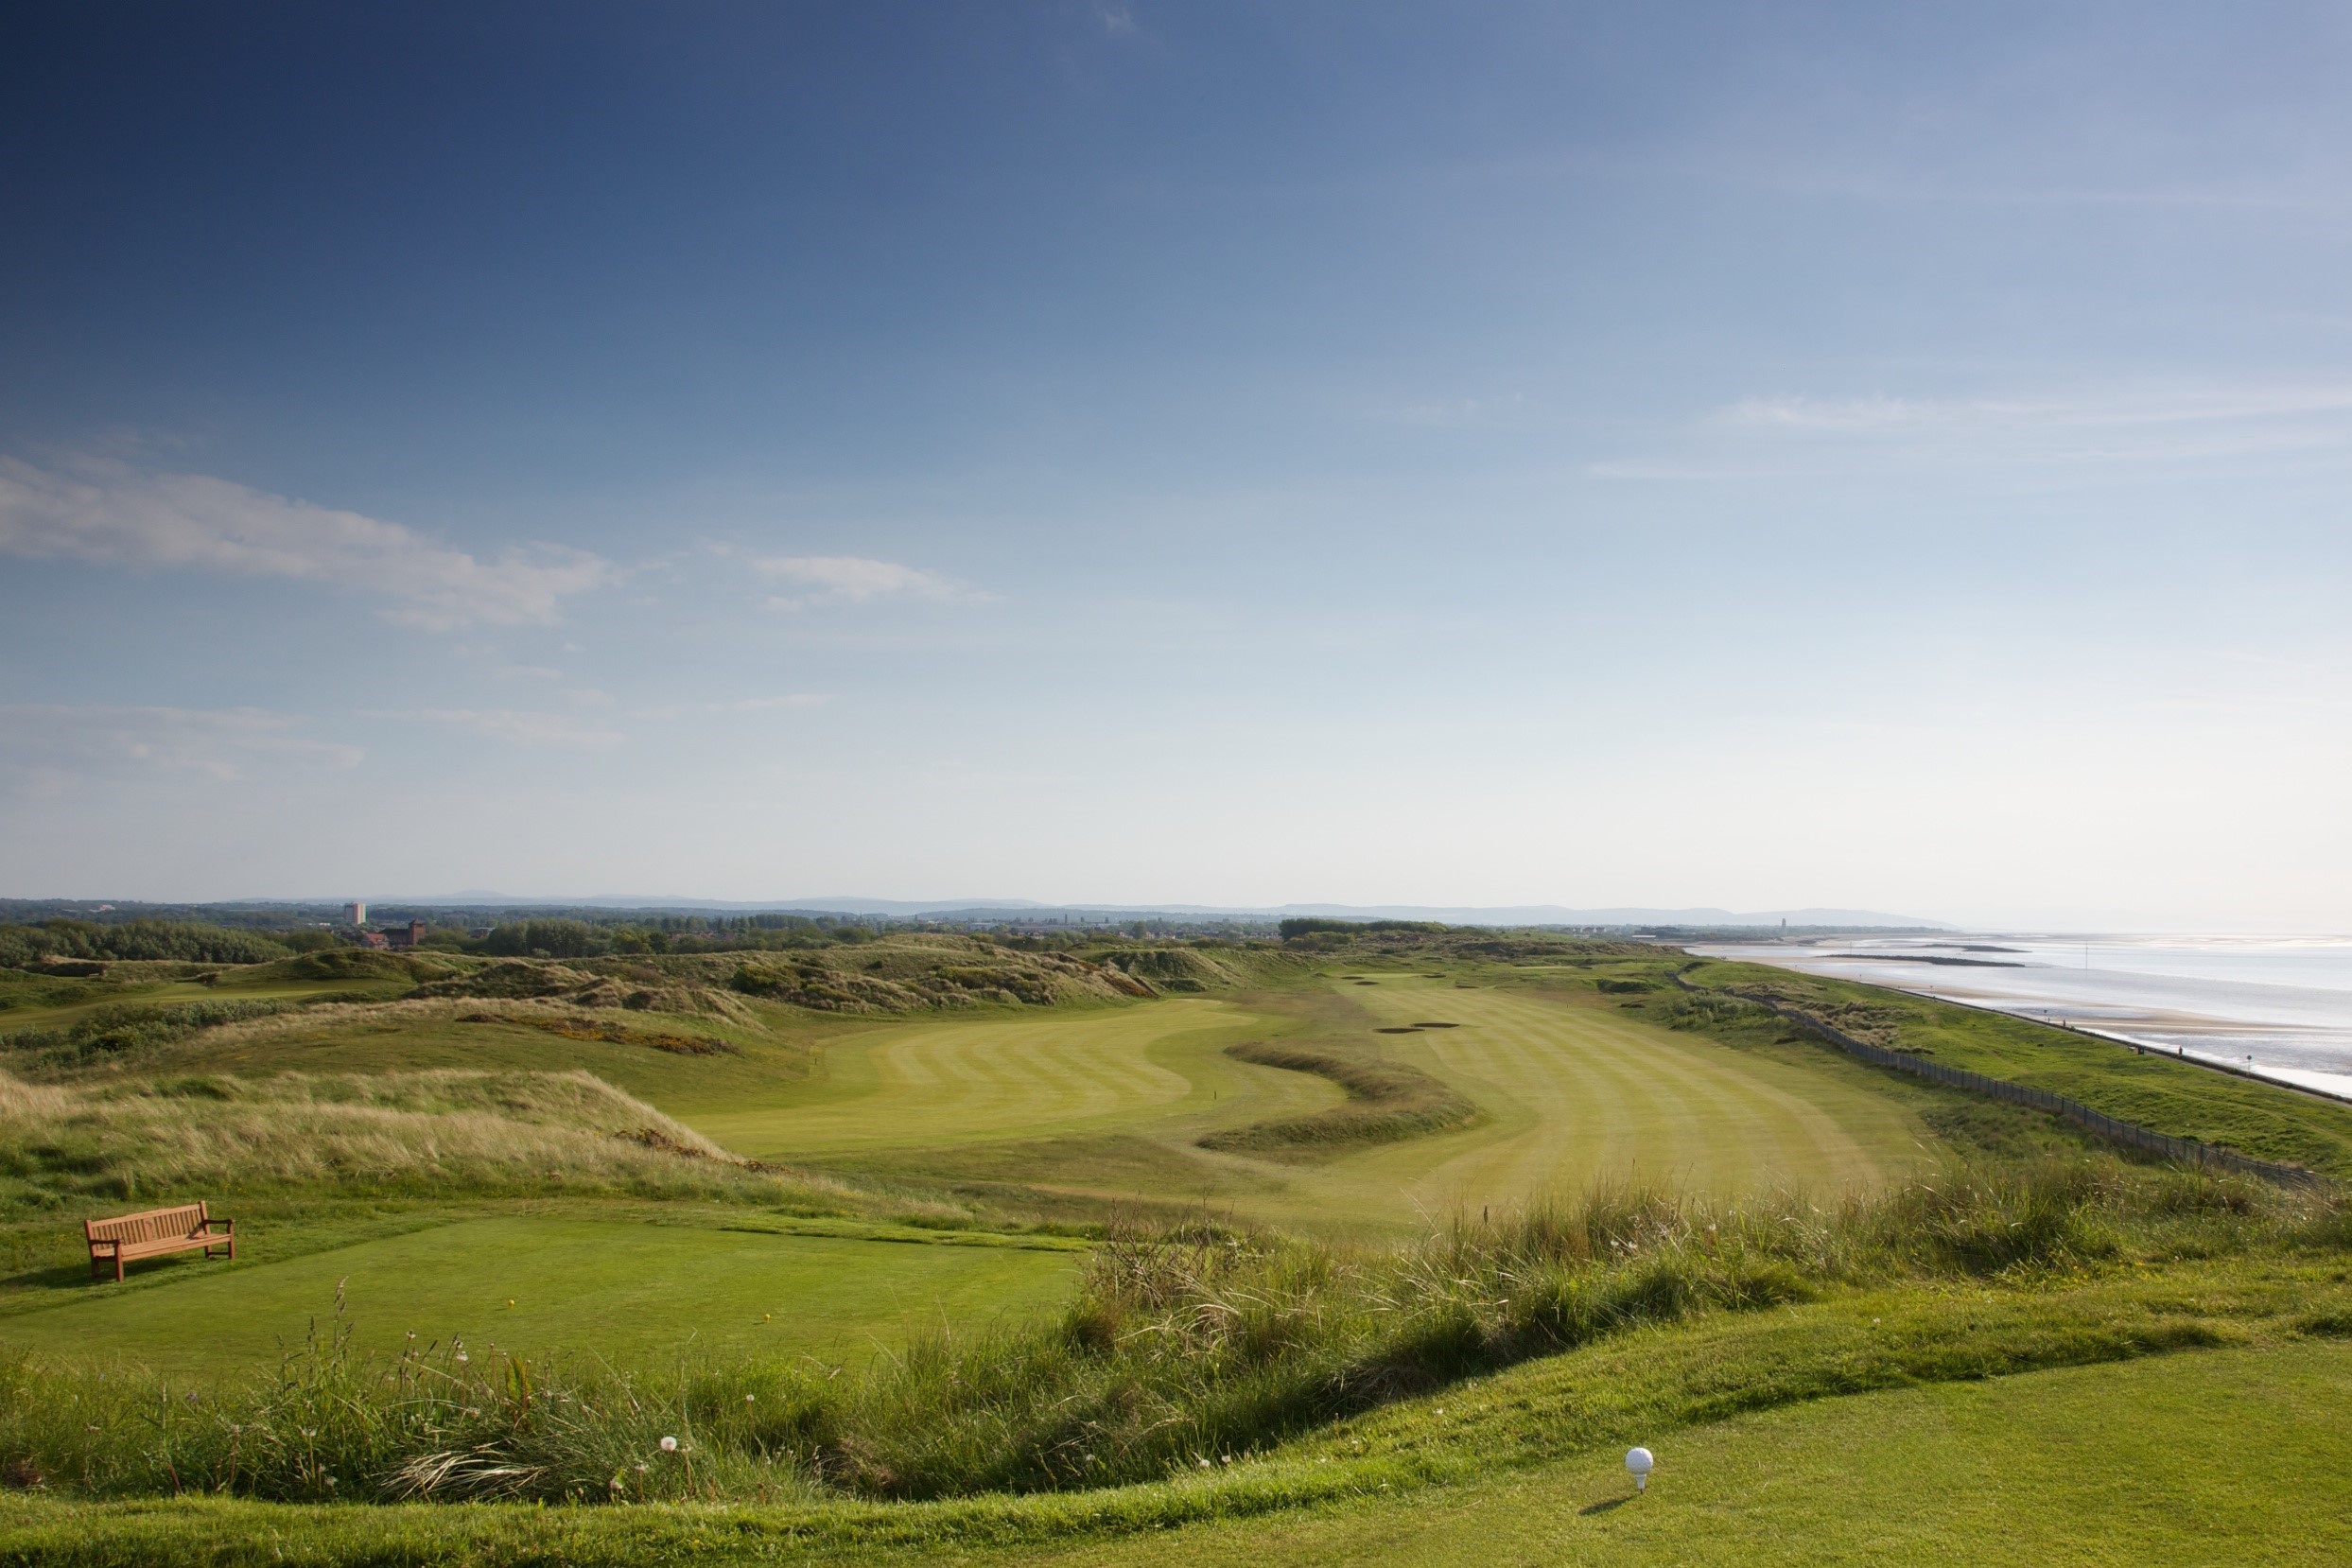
(456, 1132)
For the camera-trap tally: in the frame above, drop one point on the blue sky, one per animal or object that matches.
(1739, 455)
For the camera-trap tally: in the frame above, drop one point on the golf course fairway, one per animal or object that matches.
(1116, 1102)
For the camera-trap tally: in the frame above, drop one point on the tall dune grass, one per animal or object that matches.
(488, 1132)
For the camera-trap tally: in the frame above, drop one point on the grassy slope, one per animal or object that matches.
(2208, 1455)
(423, 1035)
(609, 1284)
(2170, 1096)
(2149, 1463)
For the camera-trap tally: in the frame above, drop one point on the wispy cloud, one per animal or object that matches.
(791, 700)
(1459, 413)
(47, 746)
(518, 726)
(109, 513)
(850, 580)
(2124, 410)
(1763, 437)
(762, 704)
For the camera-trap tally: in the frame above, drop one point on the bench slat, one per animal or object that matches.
(182, 1228)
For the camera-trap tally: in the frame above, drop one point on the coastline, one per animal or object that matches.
(2297, 1038)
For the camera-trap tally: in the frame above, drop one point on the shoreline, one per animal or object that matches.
(2117, 1037)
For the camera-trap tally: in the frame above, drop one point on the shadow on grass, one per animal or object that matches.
(1605, 1505)
(77, 1277)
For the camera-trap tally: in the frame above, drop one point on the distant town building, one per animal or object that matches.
(395, 937)
(356, 912)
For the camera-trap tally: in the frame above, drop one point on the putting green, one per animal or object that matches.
(632, 1291)
(931, 1085)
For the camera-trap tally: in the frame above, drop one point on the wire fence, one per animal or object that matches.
(2189, 1151)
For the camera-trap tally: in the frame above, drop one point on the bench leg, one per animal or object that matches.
(118, 1268)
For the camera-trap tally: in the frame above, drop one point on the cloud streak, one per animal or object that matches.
(2120, 410)
(517, 726)
(110, 514)
(850, 580)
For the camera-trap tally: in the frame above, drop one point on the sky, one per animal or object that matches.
(1740, 455)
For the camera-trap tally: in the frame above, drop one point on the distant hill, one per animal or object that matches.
(971, 908)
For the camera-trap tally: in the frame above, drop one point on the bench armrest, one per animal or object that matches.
(229, 1225)
(113, 1243)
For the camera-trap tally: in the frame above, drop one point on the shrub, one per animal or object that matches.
(185, 941)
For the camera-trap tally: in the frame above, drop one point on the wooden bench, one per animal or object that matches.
(153, 1233)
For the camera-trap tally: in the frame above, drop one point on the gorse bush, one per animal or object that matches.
(125, 1028)
(1183, 1346)
(186, 941)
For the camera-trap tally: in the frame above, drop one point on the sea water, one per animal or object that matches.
(2277, 1006)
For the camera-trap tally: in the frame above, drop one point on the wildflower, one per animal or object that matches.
(464, 1358)
(748, 1397)
(670, 1445)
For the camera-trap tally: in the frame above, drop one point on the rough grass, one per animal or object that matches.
(450, 1130)
(1191, 1348)
(2106, 1466)
(131, 1031)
